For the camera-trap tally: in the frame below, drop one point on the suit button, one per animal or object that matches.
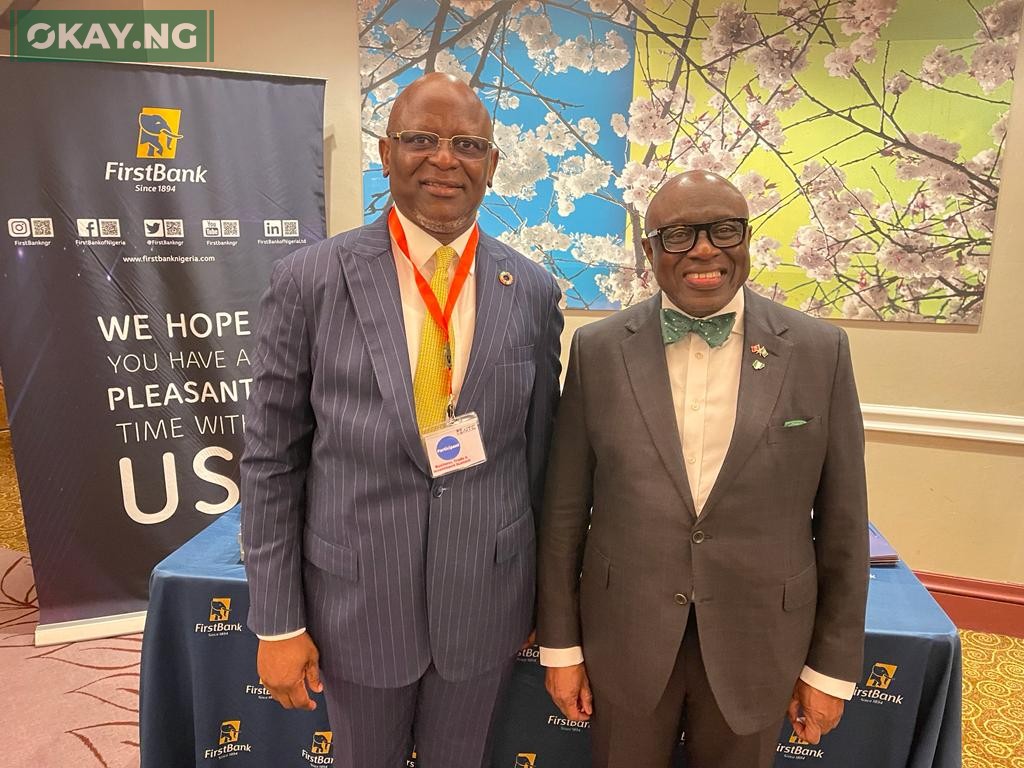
(680, 598)
(697, 537)
(439, 491)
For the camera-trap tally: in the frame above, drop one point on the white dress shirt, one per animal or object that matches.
(705, 388)
(463, 322)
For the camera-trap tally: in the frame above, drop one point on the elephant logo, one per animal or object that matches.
(220, 608)
(525, 759)
(321, 743)
(158, 132)
(229, 732)
(881, 675)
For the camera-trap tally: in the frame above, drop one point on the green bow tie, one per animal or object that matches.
(714, 330)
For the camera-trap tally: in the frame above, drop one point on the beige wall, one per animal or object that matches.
(949, 506)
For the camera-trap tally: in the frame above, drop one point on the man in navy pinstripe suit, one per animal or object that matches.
(409, 594)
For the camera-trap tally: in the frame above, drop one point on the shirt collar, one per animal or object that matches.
(422, 244)
(736, 304)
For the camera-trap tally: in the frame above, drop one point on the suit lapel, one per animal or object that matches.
(493, 311)
(759, 389)
(644, 356)
(373, 285)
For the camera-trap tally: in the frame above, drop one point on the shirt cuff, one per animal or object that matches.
(841, 689)
(285, 636)
(561, 657)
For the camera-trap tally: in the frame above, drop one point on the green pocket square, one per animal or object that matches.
(795, 423)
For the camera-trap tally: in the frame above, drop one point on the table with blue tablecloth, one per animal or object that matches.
(202, 702)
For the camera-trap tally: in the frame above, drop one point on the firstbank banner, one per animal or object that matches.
(141, 211)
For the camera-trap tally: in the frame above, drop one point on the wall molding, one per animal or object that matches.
(984, 606)
(932, 422)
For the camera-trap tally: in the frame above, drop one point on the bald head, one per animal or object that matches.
(437, 88)
(702, 209)
(437, 185)
(693, 197)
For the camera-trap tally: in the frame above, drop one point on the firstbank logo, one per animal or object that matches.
(794, 739)
(525, 760)
(227, 741)
(322, 743)
(158, 132)
(229, 730)
(220, 608)
(881, 675)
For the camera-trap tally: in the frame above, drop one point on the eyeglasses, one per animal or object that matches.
(426, 143)
(679, 238)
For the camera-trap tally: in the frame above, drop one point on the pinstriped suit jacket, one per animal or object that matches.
(345, 532)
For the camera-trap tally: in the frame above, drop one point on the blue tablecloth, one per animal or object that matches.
(201, 700)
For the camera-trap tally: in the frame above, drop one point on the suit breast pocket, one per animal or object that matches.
(795, 435)
(515, 355)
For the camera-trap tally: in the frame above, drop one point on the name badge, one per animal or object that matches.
(454, 445)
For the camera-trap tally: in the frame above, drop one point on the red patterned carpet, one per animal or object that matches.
(67, 705)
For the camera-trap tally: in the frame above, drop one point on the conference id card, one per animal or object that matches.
(454, 445)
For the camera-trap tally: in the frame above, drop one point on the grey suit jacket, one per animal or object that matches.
(772, 587)
(344, 529)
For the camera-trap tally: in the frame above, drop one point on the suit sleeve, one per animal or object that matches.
(840, 534)
(278, 434)
(566, 517)
(544, 399)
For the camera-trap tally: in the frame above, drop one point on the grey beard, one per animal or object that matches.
(444, 227)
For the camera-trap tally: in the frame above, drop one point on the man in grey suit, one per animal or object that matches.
(696, 433)
(408, 589)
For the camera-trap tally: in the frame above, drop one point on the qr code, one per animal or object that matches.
(229, 227)
(290, 228)
(110, 227)
(173, 228)
(42, 227)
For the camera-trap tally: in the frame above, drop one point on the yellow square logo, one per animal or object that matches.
(525, 759)
(229, 731)
(220, 608)
(881, 675)
(794, 739)
(322, 742)
(158, 132)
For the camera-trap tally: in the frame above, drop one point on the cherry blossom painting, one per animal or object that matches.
(867, 135)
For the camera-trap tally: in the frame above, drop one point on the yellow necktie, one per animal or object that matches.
(430, 383)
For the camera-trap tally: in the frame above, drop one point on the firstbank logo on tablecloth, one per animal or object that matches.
(219, 621)
(229, 731)
(220, 609)
(881, 675)
(228, 740)
(319, 749)
(525, 759)
(798, 749)
(159, 132)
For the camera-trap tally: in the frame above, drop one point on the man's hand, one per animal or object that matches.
(569, 688)
(813, 713)
(286, 667)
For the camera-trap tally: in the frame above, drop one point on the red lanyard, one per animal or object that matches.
(442, 318)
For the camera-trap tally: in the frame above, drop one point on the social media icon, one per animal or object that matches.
(88, 227)
(271, 227)
(18, 227)
(154, 227)
(211, 227)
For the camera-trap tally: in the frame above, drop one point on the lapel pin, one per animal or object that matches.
(757, 365)
(759, 350)
(506, 278)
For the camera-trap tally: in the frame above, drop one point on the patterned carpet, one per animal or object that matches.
(94, 685)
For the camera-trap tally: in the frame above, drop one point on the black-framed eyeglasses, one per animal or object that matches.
(427, 143)
(679, 238)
